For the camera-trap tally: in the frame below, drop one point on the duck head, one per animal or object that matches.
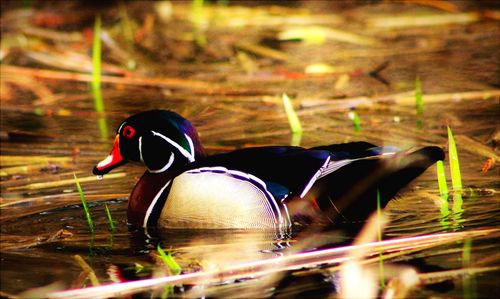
(162, 140)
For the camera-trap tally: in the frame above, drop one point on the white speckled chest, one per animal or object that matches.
(217, 198)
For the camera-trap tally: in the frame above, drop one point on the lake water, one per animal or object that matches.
(45, 138)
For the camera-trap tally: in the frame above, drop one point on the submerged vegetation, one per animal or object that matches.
(302, 72)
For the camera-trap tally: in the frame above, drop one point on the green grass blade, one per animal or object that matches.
(169, 261)
(293, 119)
(96, 58)
(84, 203)
(295, 140)
(197, 9)
(443, 191)
(441, 176)
(96, 78)
(457, 207)
(110, 219)
(198, 19)
(445, 213)
(456, 177)
(356, 120)
(379, 235)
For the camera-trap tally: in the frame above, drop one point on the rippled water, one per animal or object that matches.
(34, 252)
(41, 212)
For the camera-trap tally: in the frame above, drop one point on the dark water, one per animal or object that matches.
(448, 59)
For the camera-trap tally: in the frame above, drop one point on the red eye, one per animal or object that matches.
(128, 132)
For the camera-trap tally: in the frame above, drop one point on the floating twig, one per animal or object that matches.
(319, 34)
(130, 80)
(471, 145)
(87, 269)
(263, 51)
(423, 20)
(439, 4)
(60, 183)
(10, 160)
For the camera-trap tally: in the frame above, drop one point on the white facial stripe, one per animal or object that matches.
(167, 166)
(152, 205)
(140, 149)
(182, 150)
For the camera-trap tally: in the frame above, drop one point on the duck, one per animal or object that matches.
(267, 187)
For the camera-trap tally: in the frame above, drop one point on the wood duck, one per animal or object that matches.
(266, 187)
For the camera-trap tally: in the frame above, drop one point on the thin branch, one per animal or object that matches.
(132, 80)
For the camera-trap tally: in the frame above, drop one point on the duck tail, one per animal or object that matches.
(349, 192)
